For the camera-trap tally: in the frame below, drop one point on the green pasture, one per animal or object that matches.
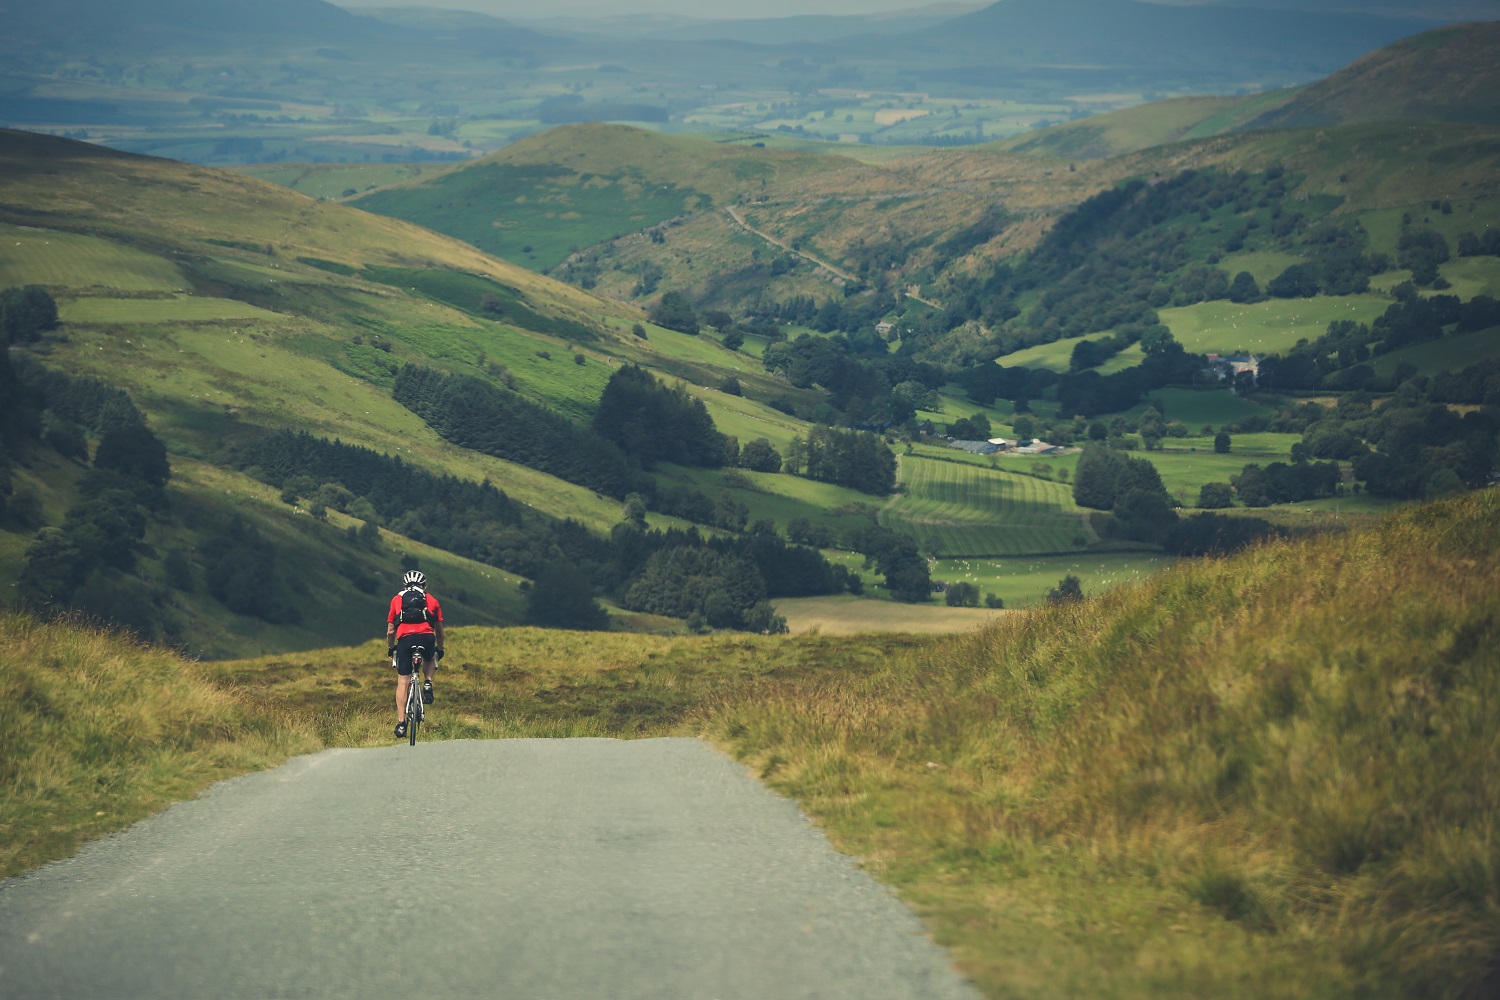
(1470, 215)
(176, 309)
(1056, 356)
(70, 260)
(1452, 353)
(1329, 513)
(780, 497)
(747, 419)
(199, 381)
(1125, 130)
(1025, 580)
(1196, 408)
(1184, 473)
(954, 508)
(1262, 444)
(1471, 276)
(954, 404)
(1263, 265)
(1267, 327)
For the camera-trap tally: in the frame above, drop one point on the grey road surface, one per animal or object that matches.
(514, 870)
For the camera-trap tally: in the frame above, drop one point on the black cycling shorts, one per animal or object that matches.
(426, 641)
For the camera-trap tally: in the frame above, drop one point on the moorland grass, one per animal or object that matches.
(1271, 775)
(101, 731)
(1265, 776)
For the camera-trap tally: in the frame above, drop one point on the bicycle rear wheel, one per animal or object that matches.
(413, 710)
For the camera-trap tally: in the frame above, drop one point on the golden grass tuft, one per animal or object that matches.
(101, 731)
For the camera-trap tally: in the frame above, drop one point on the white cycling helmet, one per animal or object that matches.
(415, 578)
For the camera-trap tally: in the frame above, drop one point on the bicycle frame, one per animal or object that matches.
(415, 710)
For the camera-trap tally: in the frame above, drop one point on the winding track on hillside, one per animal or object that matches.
(739, 219)
(551, 869)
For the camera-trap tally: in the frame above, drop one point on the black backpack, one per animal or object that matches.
(413, 607)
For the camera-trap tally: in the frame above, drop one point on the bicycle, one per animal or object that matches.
(415, 710)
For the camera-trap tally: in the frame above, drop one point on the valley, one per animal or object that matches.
(1075, 489)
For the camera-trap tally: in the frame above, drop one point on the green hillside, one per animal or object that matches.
(227, 308)
(1445, 75)
(538, 200)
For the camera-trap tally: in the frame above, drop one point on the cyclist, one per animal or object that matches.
(414, 621)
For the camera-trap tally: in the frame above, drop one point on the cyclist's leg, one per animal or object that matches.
(403, 675)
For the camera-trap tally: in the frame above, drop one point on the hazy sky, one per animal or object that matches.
(708, 9)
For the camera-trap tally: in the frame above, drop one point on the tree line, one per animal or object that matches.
(1142, 511)
(477, 414)
(88, 563)
(479, 521)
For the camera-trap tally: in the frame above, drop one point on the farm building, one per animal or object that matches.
(1227, 366)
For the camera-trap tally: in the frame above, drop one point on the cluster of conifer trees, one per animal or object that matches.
(88, 563)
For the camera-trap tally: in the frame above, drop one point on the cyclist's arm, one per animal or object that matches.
(437, 627)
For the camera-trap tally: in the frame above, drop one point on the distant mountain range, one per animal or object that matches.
(1106, 36)
(1078, 36)
(143, 27)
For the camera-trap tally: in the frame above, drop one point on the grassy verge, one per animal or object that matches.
(1267, 776)
(101, 732)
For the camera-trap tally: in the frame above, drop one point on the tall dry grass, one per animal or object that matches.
(99, 731)
(1269, 775)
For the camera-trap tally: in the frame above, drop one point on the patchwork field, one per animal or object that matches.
(961, 509)
(1215, 407)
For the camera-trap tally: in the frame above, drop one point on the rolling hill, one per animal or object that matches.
(538, 200)
(1213, 41)
(1447, 75)
(228, 308)
(584, 196)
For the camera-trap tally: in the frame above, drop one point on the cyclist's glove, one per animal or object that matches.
(390, 651)
(440, 652)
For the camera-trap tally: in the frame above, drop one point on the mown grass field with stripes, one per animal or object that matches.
(959, 509)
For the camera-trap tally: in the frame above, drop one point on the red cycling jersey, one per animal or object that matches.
(434, 614)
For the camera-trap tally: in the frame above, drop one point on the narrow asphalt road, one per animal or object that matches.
(514, 869)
